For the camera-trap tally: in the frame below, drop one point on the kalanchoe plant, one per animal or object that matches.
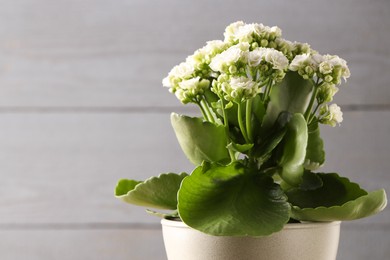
(258, 142)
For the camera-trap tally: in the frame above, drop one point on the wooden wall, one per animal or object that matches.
(81, 105)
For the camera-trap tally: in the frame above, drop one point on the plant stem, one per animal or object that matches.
(267, 91)
(226, 126)
(207, 110)
(203, 112)
(248, 120)
(241, 124)
(313, 114)
(313, 98)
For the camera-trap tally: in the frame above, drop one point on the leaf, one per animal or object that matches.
(241, 148)
(171, 215)
(292, 95)
(200, 140)
(269, 144)
(315, 154)
(294, 150)
(125, 186)
(337, 199)
(232, 201)
(258, 112)
(258, 108)
(310, 181)
(156, 192)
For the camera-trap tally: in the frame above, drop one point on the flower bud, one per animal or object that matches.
(328, 78)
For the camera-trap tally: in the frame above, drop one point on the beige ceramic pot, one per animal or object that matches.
(300, 241)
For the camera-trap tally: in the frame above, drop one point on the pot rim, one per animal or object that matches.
(302, 225)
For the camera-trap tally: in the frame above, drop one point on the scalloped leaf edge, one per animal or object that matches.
(355, 209)
(128, 198)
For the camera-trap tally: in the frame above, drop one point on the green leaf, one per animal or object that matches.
(292, 95)
(200, 140)
(258, 108)
(294, 150)
(337, 199)
(263, 151)
(156, 192)
(125, 186)
(232, 201)
(171, 215)
(315, 154)
(241, 148)
(310, 181)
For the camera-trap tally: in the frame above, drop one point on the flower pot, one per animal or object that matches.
(297, 241)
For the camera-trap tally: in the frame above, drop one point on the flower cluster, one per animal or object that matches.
(329, 68)
(252, 59)
(331, 115)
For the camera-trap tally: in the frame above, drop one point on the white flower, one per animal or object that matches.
(206, 53)
(240, 88)
(188, 90)
(245, 33)
(275, 31)
(231, 31)
(336, 114)
(258, 28)
(299, 61)
(242, 83)
(312, 166)
(184, 70)
(340, 63)
(272, 56)
(326, 67)
(276, 58)
(255, 57)
(331, 115)
(213, 47)
(229, 57)
(316, 59)
(166, 82)
(189, 84)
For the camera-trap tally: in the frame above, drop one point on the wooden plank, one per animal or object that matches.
(128, 80)
(134, 80)
(98, 53)
(142, 244)
(62, 168)
(57, 168)
(90, 26)
(138, 244)
(363, 243)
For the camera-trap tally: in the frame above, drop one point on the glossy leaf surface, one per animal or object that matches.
(337, 199)
(292, 95)
(315, 154)
(294, 150)
(200, 140)
(157, 192)
(232, 201)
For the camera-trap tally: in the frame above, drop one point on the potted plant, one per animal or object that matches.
(256, 149)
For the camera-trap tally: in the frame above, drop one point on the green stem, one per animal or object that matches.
(313, 114)
(207, 111)
(203, 112)
(241, 123)
(267, 91)
(313, 98)
(226, 126)
(248, 120)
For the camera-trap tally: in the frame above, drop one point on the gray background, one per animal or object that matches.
(81, 105)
